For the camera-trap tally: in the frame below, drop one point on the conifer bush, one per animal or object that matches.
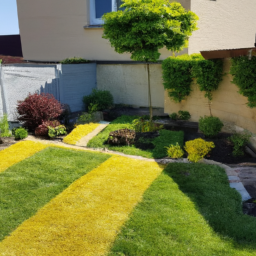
(37, 108)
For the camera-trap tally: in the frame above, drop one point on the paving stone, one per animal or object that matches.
(231, 172)
(239, 187)
(233, 179)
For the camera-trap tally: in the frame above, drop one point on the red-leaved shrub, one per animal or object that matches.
(37, 108)
(42, 129)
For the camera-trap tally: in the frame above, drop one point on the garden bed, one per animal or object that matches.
(150, 145)
(222, 152)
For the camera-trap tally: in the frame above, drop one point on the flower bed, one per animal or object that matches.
(79, 132)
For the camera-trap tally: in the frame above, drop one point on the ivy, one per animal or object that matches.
(243, 71)
(208, 74)
(177, 77)
(178, 74)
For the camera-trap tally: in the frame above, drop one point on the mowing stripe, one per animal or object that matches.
(87, 216)
(19, 152)
(79, 132)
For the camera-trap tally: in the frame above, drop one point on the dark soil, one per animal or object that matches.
(249, 207)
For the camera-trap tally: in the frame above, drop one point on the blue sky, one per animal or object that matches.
(9, 24)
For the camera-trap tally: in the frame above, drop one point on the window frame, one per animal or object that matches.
(93, 19)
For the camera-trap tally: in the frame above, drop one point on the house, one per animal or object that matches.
(54, 30)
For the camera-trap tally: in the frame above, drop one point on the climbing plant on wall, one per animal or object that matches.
(208, 75)
(178, 74)
(243, 71)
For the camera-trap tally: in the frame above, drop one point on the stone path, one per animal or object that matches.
(83, 142)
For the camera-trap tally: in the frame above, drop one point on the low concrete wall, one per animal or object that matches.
(68, 84)
(76, 81)
(227, 104)
(128, 83)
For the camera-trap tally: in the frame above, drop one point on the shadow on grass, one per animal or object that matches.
(207, 186)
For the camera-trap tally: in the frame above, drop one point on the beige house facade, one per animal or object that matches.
(52, 30)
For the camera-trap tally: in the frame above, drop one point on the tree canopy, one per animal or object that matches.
(145, 26)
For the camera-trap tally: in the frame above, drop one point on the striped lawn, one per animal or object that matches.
(19, 152)
(86, 217)
(29, 185)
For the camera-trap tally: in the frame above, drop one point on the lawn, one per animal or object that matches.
(71, 202)
(165, 139)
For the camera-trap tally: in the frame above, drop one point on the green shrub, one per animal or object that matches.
(53, 132)
(210, 126)
(4, 126)
(175, 151)
(85, 118)
(74, 60)
(142, 125)
(174, 116)
(20, 133)
(182, 115)
(197, 149)
(239, 141)
(102, 98)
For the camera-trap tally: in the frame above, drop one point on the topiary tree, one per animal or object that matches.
(146, 26)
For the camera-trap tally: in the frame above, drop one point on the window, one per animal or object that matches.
(99, 7)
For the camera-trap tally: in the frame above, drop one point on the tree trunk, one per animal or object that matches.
(149, 95)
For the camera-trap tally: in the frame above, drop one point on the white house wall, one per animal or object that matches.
(223, 24)
(129, 83)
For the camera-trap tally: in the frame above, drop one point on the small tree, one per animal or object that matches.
(146, 26)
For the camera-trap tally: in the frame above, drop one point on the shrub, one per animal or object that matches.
(74, 60)
(102, 98)
(239, 141)
(85, 118)
(42, 129)
(174, 116)
(175, 151)
(20, 133)
(53, 132)
(37, 108)
(182, 115)
(197, 149)
(210, 125)
(4, 127)
(141, 125)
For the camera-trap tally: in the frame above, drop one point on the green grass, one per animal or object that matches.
(165, 139)
(30, 184)
(189, 210)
